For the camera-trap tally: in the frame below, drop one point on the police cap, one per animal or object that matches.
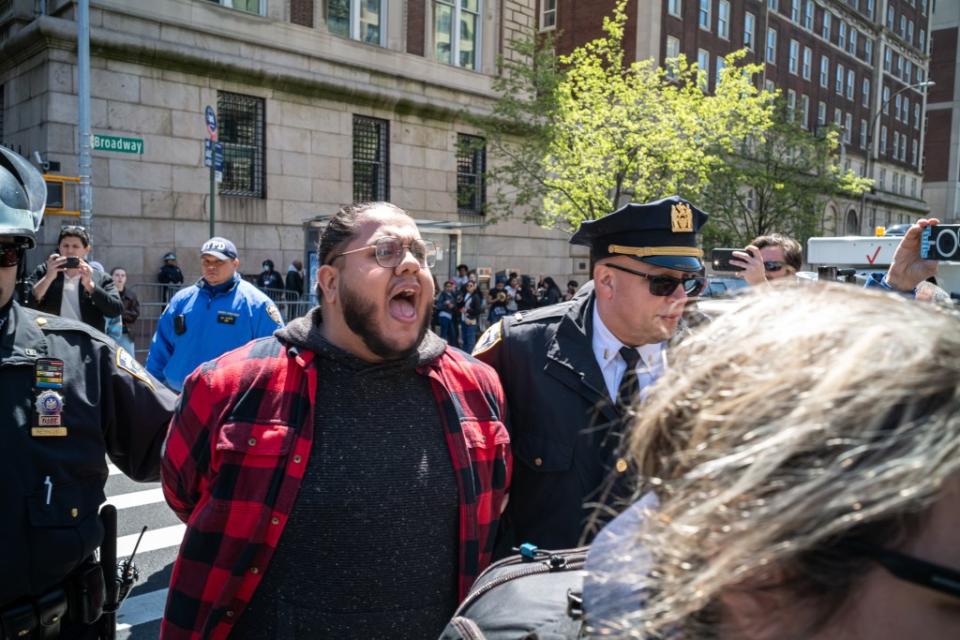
(662, 233)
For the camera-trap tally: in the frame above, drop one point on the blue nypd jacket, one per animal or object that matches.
(202, 322)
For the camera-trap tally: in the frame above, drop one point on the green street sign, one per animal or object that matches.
(117, 143)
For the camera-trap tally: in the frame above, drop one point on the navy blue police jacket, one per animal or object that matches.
(53, 484)
(564, 428)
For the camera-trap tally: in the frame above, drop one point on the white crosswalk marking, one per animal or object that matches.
(152, 540)
(136, 499)
(137, 505)
(112, 468)
(141, 609)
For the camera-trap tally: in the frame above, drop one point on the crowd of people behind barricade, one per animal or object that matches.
(464, 308)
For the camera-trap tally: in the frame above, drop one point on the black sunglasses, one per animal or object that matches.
(666, 285)
(772, 265)
(910, 569)
(10, 253)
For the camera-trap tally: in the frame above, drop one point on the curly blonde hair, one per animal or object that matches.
(803, 419)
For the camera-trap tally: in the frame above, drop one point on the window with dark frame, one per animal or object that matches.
(242, 134)
(371, 159)
(471, 170)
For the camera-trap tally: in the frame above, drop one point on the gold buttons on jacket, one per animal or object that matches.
(538, 461)
(621, 465)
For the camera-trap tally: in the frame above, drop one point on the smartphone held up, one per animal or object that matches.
(940, 242)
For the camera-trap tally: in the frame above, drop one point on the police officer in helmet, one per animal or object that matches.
(69, 397)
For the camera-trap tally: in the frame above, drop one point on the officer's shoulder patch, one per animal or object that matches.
(274, 314)
(489, 339)
(129, 364)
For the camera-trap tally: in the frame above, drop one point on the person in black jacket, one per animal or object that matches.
(551, 293)
(79, 292)
(571, 370)
(470, 305)
(294, 280)
(269, 278)
(69, 398)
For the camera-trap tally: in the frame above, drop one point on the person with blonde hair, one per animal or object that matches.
(804, 455)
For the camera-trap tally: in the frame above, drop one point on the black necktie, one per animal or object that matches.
(629, 384)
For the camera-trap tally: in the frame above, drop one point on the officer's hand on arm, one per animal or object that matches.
(907, 269)
(751, 262)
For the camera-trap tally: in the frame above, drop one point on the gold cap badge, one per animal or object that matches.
(681, 218)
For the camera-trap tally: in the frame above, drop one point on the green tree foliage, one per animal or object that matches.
(776, 183)
(579, 134)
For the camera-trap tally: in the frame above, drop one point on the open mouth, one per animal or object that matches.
(403, 304)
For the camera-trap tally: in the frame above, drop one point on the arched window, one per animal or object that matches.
(853, 225)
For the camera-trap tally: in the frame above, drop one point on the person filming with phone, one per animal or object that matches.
(768, 257)
(66, 285)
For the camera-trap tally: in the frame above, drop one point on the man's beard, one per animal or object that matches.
(359, 314)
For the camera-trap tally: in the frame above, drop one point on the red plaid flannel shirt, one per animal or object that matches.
(237, 450)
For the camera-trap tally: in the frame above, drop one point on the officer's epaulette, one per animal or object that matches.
(541, 313)
(48, 322)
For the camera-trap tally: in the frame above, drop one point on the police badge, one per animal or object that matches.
(49, 406)
(681, 218)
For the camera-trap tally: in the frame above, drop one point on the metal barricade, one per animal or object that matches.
(153, 300)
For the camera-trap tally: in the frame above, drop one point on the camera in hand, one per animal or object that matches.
(940, 242)
(72, 262)
(721, 260)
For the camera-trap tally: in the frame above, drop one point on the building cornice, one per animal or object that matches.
(352, 83)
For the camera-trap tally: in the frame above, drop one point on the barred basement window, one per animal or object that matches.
(242, 120)
(471, 169)
(371, 159)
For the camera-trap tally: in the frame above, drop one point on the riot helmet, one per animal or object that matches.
(23, 196)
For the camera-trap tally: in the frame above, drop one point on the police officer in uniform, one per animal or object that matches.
(571, 370)
(68, 398)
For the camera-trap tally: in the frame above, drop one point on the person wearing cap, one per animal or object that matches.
(169, 274)
(221, 312)
(571, 370)
(69, 399)
(81, 292)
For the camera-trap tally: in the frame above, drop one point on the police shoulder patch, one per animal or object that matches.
(129, 364)
(274, 314)
(489, 339)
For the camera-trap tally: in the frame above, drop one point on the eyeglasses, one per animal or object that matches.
(772, 265)
(10, 254)
(666, 285)
(390, 252)
(910, 569)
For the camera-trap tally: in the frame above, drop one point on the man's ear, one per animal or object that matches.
(603, 281)
(327, 278)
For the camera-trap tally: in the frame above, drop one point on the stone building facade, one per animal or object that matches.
(856, 63)
(942, 190)
(320, 103)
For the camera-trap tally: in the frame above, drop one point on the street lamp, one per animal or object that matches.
(926, 84)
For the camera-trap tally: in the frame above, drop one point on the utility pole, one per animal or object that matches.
(83, 112)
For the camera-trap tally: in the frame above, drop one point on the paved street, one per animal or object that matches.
(137, 505)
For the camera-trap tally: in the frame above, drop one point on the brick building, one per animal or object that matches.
(320, 103)
(942, 149)
(856, 63)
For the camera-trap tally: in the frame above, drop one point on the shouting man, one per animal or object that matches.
(343, 478)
